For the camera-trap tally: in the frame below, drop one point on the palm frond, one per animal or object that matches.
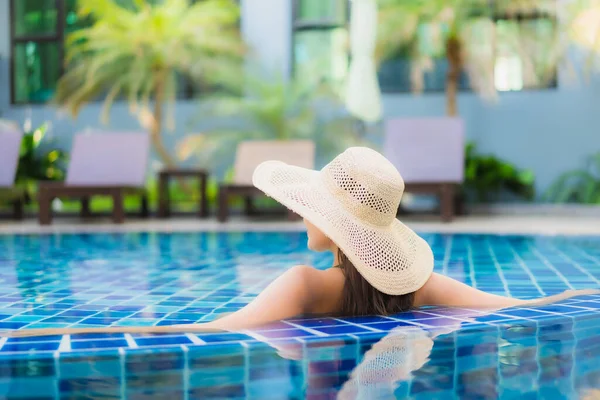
(416, 30)
(171, 99)
(110, 98)
(571, 186)
(128, 47)
(272, 108)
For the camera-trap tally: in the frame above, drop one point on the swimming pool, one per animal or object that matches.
(550, 352)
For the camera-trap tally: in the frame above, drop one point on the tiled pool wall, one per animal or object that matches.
(542, 359)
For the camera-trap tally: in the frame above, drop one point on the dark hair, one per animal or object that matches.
(361, 298)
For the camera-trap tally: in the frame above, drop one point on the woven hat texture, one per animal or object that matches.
(353, 200)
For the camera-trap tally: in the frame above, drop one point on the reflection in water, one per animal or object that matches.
(590, 394)
(552, 358)
(388, 363)
(339, 364)
(392, 360)
(38, 270)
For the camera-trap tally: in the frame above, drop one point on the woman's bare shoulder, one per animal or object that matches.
(324, 286)
(319, 278)
(311, 272)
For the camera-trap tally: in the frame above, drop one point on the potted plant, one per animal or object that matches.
(578, 186)
(487, 177)
(40, 158)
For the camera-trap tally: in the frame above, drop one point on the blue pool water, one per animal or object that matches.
(91, 280)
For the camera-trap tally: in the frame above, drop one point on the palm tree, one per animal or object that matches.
(584, 30)
(465, 31)
(141, 50)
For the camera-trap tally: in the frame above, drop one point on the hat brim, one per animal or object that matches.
(407, 257)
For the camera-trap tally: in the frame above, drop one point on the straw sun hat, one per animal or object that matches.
(353, 200)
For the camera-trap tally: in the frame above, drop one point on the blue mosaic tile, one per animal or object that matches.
(224, 337)
(99, 321)
(25, 318)
(588, 304)
(55, 338)
(387, 326)
(98, 344)
(56, 307)
(285, 333)
(413, 315)
(310, 323)
(366, 320)
(59, 318)
(93, 336)
(77, 313)
(524, 313)
(105, 387)
(492, 318)
(344, 329)
(175, 322)
(157, 341)
(12, 325)
(32, 346)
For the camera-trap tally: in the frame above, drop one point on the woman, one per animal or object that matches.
(380, 265)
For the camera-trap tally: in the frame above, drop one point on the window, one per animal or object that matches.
(38, 31)
(321, 50)
(320, 40)
(533, 35)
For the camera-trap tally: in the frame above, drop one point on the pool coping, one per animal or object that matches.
(498, 320)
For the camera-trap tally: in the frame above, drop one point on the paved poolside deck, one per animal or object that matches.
(519, 222)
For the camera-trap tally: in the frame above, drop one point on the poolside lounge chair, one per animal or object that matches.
(101, 164)
(249, 155)
(429, 153)
(10, 143)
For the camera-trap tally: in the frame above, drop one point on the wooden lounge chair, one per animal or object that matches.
(249, 155)
(101, 164)
(429, 153)
(10, 143)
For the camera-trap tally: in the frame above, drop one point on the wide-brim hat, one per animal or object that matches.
(354, 200)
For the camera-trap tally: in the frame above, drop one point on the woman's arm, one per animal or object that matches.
(441, 290)
(300, 290)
